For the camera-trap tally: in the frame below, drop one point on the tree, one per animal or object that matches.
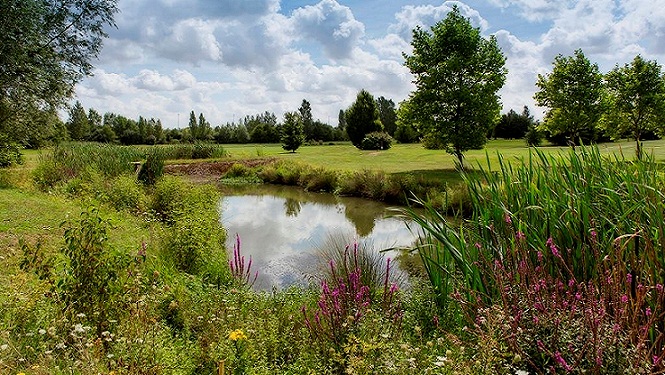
(293, 134)
(77, 124)
(341, 120)
(193, 126)
(362, 118)
(637, 94)
(45, 49)
(514, 125)
(387, 114)
(457, 76)
(307, 120)
(572, 93)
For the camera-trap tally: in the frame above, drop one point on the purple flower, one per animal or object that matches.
(629, 278)
(659, 288)
(624, 299)
(559, 359)
(648, 311)
(519, 235)
(508, 220)
(478, 245)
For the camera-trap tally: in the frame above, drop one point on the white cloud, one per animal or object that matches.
(330, 24)
(427, 15)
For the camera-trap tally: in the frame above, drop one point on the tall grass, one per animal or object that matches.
(579, 225)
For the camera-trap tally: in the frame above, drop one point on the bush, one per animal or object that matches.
(125, 193)
(152, 169)
(376, 141)
(533, 137)
(10, 153)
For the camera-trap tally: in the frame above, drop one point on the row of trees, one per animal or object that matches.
(586, 105)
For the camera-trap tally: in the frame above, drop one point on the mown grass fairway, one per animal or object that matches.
(414, 158)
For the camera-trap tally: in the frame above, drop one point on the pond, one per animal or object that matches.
(283, 228)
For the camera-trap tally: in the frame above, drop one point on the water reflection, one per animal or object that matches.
(281, 228)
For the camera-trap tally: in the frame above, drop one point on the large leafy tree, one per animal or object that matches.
(457, 73)
(293, 134)
(362, 118)
(636, 92)
(46, 47)
(573, 93)
(514, 125)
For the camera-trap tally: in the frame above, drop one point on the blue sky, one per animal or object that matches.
(232, 58)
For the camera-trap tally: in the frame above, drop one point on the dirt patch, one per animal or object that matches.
(211, 170)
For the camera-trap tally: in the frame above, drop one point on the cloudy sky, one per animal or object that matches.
(232, 58)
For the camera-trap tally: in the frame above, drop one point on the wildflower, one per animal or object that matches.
(659, 287)
(508, 219)
(624, 299)
(42, 331)
(237, 335)
(540, 257)
(629, 278)
(553, 248)
(520, 235)
(4, 347)
(560, 360)
(648, 311)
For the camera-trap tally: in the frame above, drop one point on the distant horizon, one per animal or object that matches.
(229, 59)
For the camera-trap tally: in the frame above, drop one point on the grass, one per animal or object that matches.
(413, 158)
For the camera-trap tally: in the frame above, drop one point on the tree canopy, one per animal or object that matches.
(46, 47)
(362, 118)
(293, 134)
(457, 76)
(636, 93)
(572, 92)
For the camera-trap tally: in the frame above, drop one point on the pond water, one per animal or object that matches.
(283, 228)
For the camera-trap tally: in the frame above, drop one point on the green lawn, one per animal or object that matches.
(402, 158)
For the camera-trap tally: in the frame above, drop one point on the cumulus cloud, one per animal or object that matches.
(427, 15)
(331, 24)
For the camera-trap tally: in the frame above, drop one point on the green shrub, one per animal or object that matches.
(89, 284)
(125, 193)
(238, 170)
(318, 179)
(168, 199)
(533, 137)
(10, 153)
(376, 141)
(152, 169)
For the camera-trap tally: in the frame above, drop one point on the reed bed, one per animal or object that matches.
(557, 244)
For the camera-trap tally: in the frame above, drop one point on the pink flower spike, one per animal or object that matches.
(520, 235)
(648, 311)
(624, 299)
(508, 219)
(629, 278)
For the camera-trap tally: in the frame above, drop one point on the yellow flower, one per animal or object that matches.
(21, 373)
(236, 335)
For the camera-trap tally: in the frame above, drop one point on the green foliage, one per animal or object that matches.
(292, 131)
(125, 193)
(387, 114)
(536, 252)
(376, 141)
(514, 125)
(637, 96)
(152, 169)
(77, 124)
(10, 152)
(458, 74)
(572, 93)
(533, 137)
(44, 51)
(362, 118)
(89, 281)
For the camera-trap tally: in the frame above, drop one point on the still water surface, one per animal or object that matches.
(282, 228)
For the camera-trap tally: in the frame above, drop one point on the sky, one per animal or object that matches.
(231, 58)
